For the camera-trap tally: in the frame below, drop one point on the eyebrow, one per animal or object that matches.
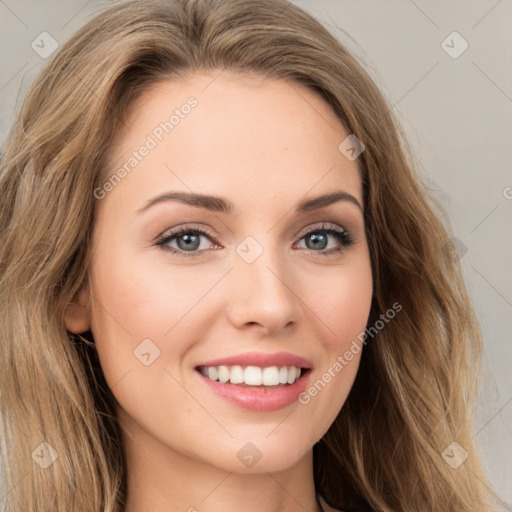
(221, 205)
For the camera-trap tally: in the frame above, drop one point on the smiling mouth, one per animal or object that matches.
(273, 377)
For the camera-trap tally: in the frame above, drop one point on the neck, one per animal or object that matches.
(160, 479)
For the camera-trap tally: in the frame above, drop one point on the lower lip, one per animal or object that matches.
(256, 398)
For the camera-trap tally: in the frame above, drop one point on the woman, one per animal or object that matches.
(223, 284)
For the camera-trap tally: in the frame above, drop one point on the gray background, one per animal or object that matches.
(456, 111)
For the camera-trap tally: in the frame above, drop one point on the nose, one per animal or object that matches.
(263, 293)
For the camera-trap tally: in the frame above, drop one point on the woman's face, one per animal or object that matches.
(267, 286)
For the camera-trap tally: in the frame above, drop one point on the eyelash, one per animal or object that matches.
(343, 236)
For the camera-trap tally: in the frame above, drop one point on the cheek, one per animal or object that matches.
(342, 303)
(135, 302)
(145, 300)
(341, 306)
(140, 323)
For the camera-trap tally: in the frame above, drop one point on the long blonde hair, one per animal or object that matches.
(414, 392)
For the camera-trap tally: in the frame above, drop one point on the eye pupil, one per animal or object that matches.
(187, 238)
(188, 241)
(319, 240)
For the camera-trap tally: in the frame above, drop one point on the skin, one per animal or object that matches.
(263, 144)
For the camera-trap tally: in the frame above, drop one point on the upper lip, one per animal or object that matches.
(261, 359)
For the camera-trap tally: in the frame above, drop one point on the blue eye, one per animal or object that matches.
(318, 236)
(188, 240)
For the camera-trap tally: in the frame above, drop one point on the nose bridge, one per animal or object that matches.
(262, 285)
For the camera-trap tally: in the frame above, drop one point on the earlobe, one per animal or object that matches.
(77, 316)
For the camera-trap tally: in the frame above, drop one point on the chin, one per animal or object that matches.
(261, 453)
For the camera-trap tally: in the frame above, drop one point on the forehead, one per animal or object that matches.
(245, 137)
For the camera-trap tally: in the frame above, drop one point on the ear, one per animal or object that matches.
(77, 316)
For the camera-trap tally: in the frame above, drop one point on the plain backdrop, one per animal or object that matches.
(453, 94)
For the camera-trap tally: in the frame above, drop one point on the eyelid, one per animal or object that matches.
(205, 231)
(324, 226)
(210, 233)
(185, 227)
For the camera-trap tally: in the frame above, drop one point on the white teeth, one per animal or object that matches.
(271, 376)
(236, 375)
(291, 374)
(223, 374)
(253, 375)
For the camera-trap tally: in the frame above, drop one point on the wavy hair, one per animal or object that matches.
(414, 392)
